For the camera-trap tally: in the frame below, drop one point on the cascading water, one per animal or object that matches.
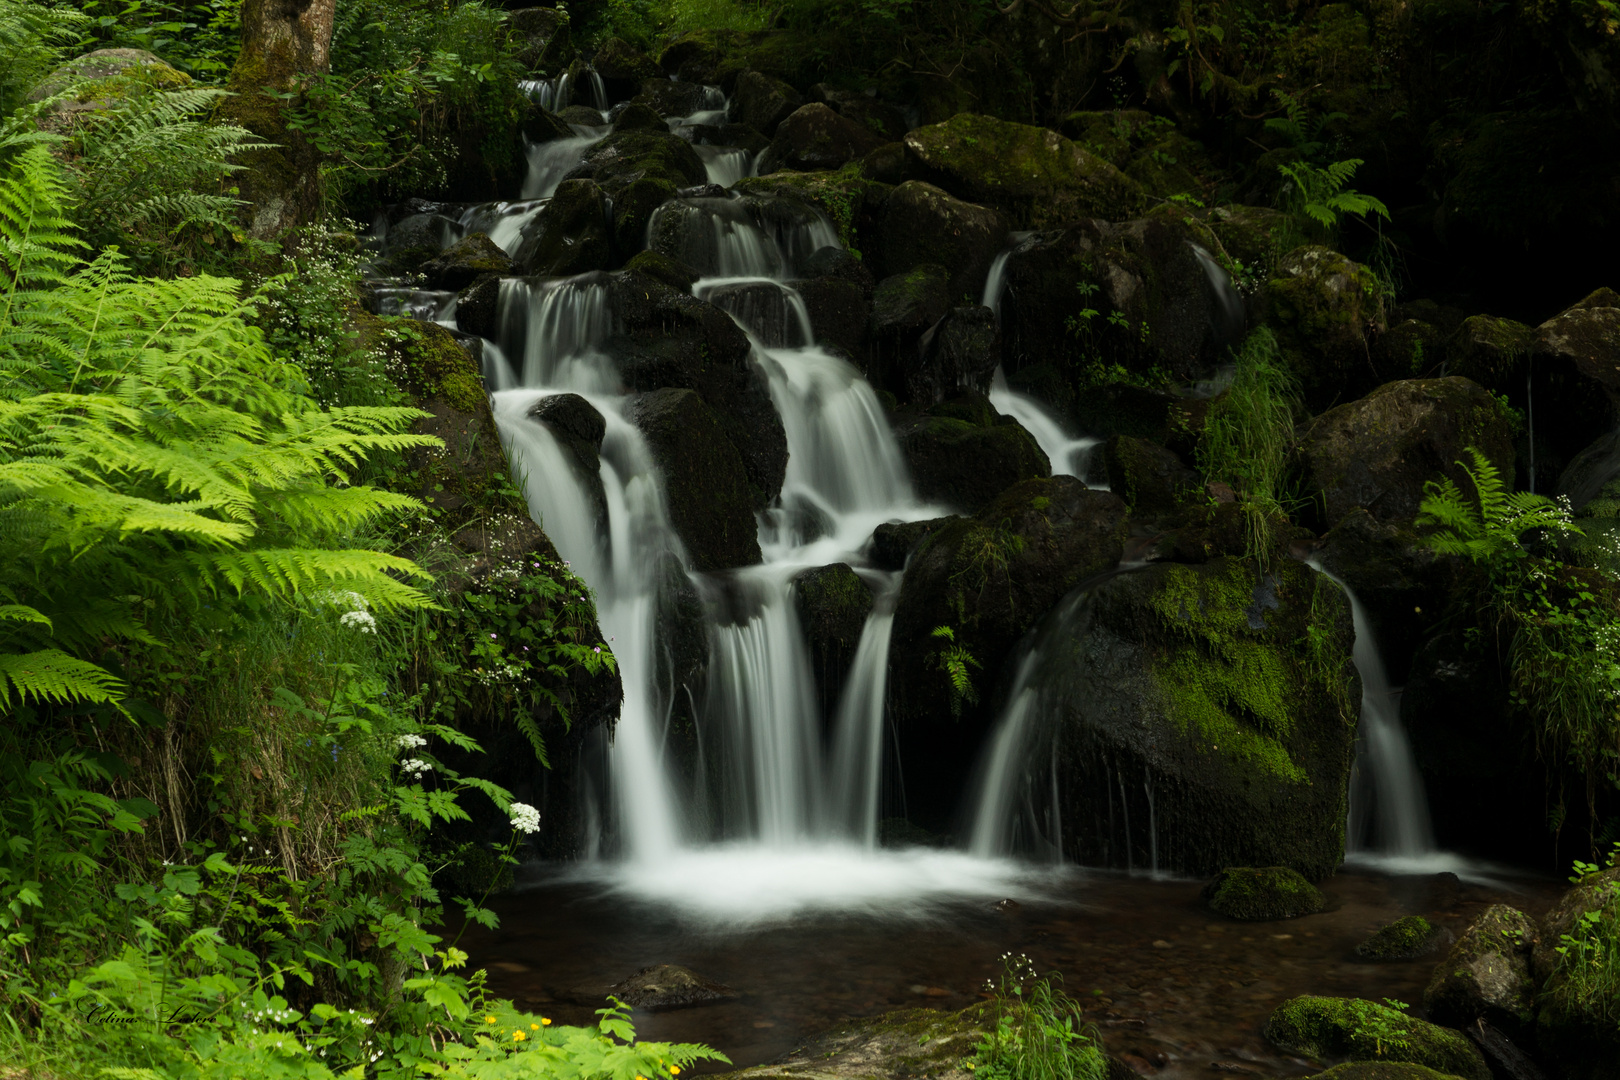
(1387, 802)
(556, 94)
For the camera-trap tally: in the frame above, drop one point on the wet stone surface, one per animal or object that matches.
(1175, 990)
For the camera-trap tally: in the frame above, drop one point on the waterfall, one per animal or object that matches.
(550, 161)
(556, 94)
(1396, 813)
(858, 729)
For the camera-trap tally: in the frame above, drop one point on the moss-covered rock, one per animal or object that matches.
(547, 43)
(1379, 452)
(893, 542)
(104, 80)
(1263, 894)
(922, 224)
(568, 236)
(720, 57)
(635, 116)
(1326, 1027)
(965, 464)
(542, 126)
(1588, 336)
(903, 307)
(478, 308)
(1152, 480)
(625, 157)
(814, 138)
(1326, 310)
(833, 603)
(1487, 974)
(1576, 1025)
(1491, 351)
(633, 210)
(1257, 236)
(623, 67)
(464, 262)
(1036, 176)
(705, 485)
(1404, 939)
(838, 315)
(849, 200)
(672, 272)
(956, 355)
(763, 102)
(903, 1044)
(669, 98)
(1382, 1070)
(1230, 692)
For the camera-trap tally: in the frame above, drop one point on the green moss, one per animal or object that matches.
(672, 272)
(1262, 894)
(843, 195)
(1382, 1070)
(1327, 1027)
(426, 362)
(1402, 939)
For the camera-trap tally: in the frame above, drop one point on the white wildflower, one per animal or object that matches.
(525, 818)
(414, 766)
(409, 742)
(361, 620)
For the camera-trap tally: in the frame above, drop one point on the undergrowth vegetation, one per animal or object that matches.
(1039, 1031)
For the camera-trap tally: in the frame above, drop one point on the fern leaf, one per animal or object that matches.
(51, 675)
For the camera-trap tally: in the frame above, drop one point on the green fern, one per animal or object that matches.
(33, 40)
(1491, 526)
(954, 660)
(1317, 195)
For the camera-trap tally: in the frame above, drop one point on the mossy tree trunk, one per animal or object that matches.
(284, 44)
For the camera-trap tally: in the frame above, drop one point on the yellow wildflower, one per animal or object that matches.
(674, 1070)
(489, 1019)
(544, 1022)
(534, 1027)
(518, 1036)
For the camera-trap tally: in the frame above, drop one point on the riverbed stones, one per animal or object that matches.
(705, 483)
(1262, 894)
(669, 986)
(1328, 1027)
(1039, 178)
(905, 1043)
(1487, 974)
(1406, 938)
(1380, 452)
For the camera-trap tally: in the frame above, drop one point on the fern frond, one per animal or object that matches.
(51, 675)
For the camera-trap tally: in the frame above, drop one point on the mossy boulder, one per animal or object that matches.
(625, 157)
(1487, 974)
(852, 202)
(1263, 894)
(838, 314)
(579, 430)
(1153, 481)
(991, 577)
(1326, 310)
(1404, 939)
(832, 603)
(568, 236)
(1257, 236)
(1490, 350)
(1410, 348)
(542, 126)
(669, 98)
(635, 116)
(1224, 696)
(763, 102)
(893, 542)
(1378, 453)
(720, 57)
(666, 338)
(1586, 335)
(1575, 1022)
(464, 262)
(623, 68)
(905, 1043)
(965, 464)
(814, 138)
(923, 224)
(1036, 176)
(546, 41)
(1327, 1027)
(1382, 1070)
(669, 986)
(633, 210)
(705, 484)
(106, 80)
(904, 306)
(956, 355)
(478, 308)
(671, 272)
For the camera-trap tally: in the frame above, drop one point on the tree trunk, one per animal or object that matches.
(284, 43)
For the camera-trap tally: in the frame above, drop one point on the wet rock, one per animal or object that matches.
(672, 272)
(963, 464)
(478, 308)
(837, 262)
(813, 138)
(705, 483)
(1326, 310)
(837, 312)
(1410, 348)
(1403, 939)
(1489, 350)
(1576, 1033)
(583, 115)
(1325, 1027)
(922, 224)
(1401, 583)
(1379, 452)
(1254, 235)
(683, 656)
(763, 102)
(464, 262)
(1591, 471)
(1152, 480)
(1586, 335)
(638, 117)
(1265, 894)
(625, 157)
(623, 68)
(957, 354)
(1503, 1054)
(991, 577)
(893, 542)
(568, 236)
(578, 428)
(1036, 176)
(416, 239)
(1382, 1070)
(1487, 974)
(669, 98)
(540, 126)
(833, 603)
(1193, 686)
(904, 306)
(669, 986)
(886, 164)
(547, 44)
(668, 338)
(633, 210)
(907, 1043)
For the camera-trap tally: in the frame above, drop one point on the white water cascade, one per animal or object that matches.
(783, 814)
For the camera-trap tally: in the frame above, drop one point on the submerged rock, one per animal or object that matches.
(1262, 895)
(1327, 1027)
(1403, 939)
(669, 986)
(1487, 975)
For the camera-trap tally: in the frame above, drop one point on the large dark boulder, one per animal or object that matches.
(814, 137)
(705, 484)
(464, 262)
(833, 603)
(478, 308)
(623, 68)
(669, 338)
(669, 98)
(838, 314)
(1039, 178)
(964, 459)
(893, 542)
(1205, 717)
(1326, 309)
(1324, 1027)
(568, 236)
(578, 429)
(1487, 974)
(922, 224)
(625, 157)
(1153, 481)
(1378, 453)
(541, 126)
(1401, 583)
(957, 354)
(904, 306)
(763, 102)
(547, 44)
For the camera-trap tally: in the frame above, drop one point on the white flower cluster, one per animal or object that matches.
(359, 620)
(410, 742)
(525, 818)
(415, 766)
